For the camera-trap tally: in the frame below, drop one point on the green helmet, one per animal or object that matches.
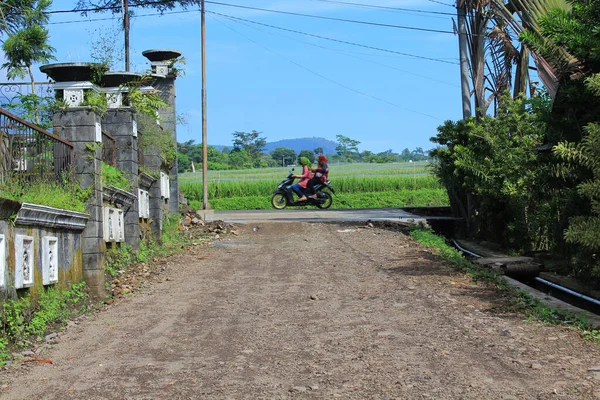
(304, 161)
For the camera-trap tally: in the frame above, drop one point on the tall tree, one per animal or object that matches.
(115, 5)
(284, 156)
(346, 147)
(497, 61)
(28, 46)
(29, 43)
(123, 6)
(252, 143)
(524, 16)
(308, 154)
(14, 13)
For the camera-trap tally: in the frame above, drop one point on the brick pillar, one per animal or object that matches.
(121, 124)
(166, 86)
(80, 126)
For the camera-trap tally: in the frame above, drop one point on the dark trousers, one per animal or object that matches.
(310, 186)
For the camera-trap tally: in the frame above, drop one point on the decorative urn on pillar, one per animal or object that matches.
(73, 80)
(161, 60)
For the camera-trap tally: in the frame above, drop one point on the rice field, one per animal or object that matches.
(336, 171)
(356, 186)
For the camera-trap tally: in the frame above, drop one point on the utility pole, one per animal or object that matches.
(461, 12)
(204, 140)
(125, 6)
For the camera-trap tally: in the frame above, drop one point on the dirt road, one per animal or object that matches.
(297, 310)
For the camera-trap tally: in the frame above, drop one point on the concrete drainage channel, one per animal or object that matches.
(523, 274)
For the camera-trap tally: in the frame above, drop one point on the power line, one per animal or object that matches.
(322, 76)
(388, 8)
(276, 27)
(134, 16)
(336, 40)
(80, 21)
(84, 10)
(350, 54)
(109, 8)
(442, 3)
(347, 53)
(333, 19)
(265, 10)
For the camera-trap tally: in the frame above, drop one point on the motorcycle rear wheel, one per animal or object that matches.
(328, 200)
(279, 201)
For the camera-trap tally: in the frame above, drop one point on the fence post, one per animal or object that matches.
(82, 127)
(122, 124)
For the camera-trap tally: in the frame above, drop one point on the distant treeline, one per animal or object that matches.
(248, 152)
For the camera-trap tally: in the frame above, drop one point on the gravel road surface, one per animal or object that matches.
(310, 311)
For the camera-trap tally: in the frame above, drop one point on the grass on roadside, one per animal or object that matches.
(520, 300)
(66, 195)
(28, 318)
(421, 198)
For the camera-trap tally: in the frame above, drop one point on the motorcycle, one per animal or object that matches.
(284, 195)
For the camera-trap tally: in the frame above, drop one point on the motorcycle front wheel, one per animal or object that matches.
(328, 200)
(279, 201)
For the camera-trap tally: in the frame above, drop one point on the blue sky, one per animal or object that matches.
(288, 85)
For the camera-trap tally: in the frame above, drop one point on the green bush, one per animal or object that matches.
(118, 257)
(66, 195)
(114, 177)
(26, 318)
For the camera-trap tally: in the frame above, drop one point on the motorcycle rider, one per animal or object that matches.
(321, 174)
(304, 178)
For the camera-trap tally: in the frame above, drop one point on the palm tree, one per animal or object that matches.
(492, 55)
(498, 62)
(523, 16)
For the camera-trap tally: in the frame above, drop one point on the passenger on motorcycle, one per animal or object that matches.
(321, 175)
(304, 178)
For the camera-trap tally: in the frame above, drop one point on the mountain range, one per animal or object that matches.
(297, 145)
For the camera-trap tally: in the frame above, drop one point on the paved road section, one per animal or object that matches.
(314, 215)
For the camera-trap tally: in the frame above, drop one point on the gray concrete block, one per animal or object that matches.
(93, 245)
(96, 213)
(93, 230)
(120, 116)
(93, 262)
(126, 155)
(119, 130)
(95, 281)
(125, 142)
(89, 179)
(79, 133)
(132, 235)
(75, 117)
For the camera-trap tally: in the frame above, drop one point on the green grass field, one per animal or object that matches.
(356, 186)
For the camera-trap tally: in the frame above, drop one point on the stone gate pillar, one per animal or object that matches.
(161, 61)
(120, 122)
(81, 126)
(122, 125)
